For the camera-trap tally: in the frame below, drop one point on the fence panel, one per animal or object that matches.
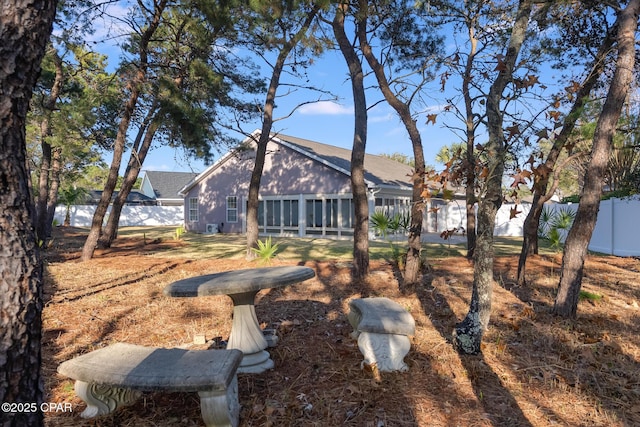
(82, 215)
(616, 232)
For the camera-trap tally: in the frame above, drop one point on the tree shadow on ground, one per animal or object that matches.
(583, 355)
(498, 403)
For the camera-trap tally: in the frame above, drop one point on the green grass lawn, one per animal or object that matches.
(233, 246)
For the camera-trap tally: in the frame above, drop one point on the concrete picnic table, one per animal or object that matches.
(242, 286)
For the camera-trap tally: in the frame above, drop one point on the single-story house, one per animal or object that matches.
(164, 187)
(305, 189)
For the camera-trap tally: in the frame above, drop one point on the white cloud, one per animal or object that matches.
(396, 131)
(436, 108)
(382, 118)
(325, 108)
(381, 113)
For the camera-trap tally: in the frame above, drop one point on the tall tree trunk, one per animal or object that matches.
(358, 185)
(139, 149)
(253, 201)
(265, 133)
(43, 230)
(43, 185)
(67, 216)
(414, 262)
(136, 160)
(468, 333)
(121, 137)
(25, 26)
(54, 187)
(542, 174)
(470, 158)
(575, 249)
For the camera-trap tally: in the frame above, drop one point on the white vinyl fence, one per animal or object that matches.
(453, 215)
(617, 230)
(82, 215)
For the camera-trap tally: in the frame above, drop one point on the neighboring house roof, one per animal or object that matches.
(167, 185)
(134, 197)
(379, 171)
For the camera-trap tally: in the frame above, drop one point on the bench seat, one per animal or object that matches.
(116, 375)
(382, 328)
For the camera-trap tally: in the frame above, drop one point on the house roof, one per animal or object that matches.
(379, 171)
(166, 185)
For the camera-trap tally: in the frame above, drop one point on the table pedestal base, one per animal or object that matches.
(247, 337)
(255, 363)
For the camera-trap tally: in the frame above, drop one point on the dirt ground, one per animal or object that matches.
(534, 370)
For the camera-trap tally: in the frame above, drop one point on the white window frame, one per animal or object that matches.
(193, 210)
(232, 209)
(331, 227)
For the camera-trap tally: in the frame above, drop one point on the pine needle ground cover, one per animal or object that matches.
(534, 370)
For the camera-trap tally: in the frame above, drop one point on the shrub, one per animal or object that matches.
(554, 225)
(383, 225)
(179, 232)
(575, 198)
(266, 250)
(380, 223)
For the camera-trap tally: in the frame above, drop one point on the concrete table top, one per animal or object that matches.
(239, 281)
(242, 286)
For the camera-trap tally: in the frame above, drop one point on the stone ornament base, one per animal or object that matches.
(386, 351)
(382, 328)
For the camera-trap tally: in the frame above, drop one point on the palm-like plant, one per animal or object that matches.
(545, 220)
(266, 250)
(380, 223)
(554, 225)
(563, 219)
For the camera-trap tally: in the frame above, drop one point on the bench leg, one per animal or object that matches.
(387, 351)
(101, 399)
(220, 408)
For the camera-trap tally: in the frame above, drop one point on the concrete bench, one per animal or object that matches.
(111, 377)
(382, 328)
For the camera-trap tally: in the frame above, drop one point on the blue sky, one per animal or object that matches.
(329, 122)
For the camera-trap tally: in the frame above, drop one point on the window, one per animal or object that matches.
(290, 213)
(278, 216)
(232, 209)
(393, 206)
(314, 213)
(273, 213)
(193, 209)
(331, 213)
(260, 213)
(347, 213)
